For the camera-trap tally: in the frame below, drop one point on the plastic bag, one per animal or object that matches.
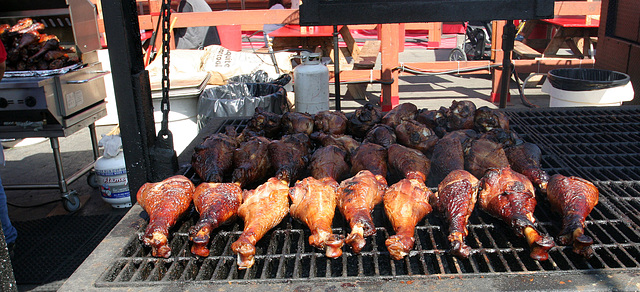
(240, 100)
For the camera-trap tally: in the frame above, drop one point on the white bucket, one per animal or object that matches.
(182, 119)
(613, 96)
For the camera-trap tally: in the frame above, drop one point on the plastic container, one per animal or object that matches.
(311, 85)
(111, 175)
(587, 87)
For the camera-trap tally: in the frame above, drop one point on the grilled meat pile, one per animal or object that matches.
(308, 166)
(28, 48)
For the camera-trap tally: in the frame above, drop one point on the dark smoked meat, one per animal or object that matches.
(363, 119)
(345, 142)
(510, 196)
(330, 122)
(329, 161)
(213, 158)
(573, 198)
(371, 157)
(251, 161)
(461, 115)
(408, 163)
(416, 135)
(482, 155)
(487, 119)
(293, 123)
(266, 122)
(402, 112)
(289, 156)
(381, 134)
(447, 156)
(434, 119)
(455, 199)
(525, 159)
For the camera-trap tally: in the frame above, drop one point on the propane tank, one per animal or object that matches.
(311, 84)
(111, 173)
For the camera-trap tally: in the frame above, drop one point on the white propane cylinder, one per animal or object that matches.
(311, 85)
(111, 175)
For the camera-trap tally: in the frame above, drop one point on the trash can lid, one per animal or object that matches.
(578, 79)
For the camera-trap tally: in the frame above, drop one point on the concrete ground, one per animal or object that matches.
(31, 161)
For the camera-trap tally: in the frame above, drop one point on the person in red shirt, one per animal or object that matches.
(9, 231)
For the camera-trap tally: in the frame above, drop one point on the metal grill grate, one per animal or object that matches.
(284, 254)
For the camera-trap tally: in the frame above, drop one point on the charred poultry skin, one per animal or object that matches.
(330, 122)
(329, 161)
(357, 196)
(573, 198)
(525, 159)
(510, 197)
(456, 198)
(402, 112)
(371, 157)
(262, 209)
(165, 202)
(409, 163)
(314, 203)
(289, 156)
(363, 119)
(217, 204)
(213, 158)
(405, 203)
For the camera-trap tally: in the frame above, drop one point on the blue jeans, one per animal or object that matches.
(10, 232)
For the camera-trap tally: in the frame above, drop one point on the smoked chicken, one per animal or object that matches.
(330, 122)
(505, 138)
(213, 158)
(314, 203)
(289, 156)
(293, 123)
(217, 204)
(345, 142)
(415, 135)
(381, 134)
(434, 119)
(486, 119)
(405, 203)
(165, 202)
(357, 196)
(447, 156)
(329, 161)
(265, 122)
(525, 159)
(402, 112)
(510, 197)
(461, 115)
(251, 161)
(482, 155)
(408, 163)
(262, 209)
(456, 199)
(363, 119)
(371, 157)
(573, 198)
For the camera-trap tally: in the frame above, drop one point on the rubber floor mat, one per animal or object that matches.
(52, 248)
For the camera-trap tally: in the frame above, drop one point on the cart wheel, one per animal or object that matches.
(457, 55)
(71, 202)
(92, 180)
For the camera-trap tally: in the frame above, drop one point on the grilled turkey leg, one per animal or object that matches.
(261, 210)
(573, 198)
(165, 202)
(406, 203)
(217, 204)
(456, 198)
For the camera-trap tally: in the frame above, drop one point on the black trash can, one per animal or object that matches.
(575, 87)
(240, 100)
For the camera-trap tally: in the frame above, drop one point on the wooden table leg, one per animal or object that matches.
(389, 37)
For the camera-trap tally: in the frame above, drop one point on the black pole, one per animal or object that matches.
(508, 38)
(132, 89)
(336, 66)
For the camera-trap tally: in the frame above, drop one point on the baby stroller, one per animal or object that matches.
(477, 42)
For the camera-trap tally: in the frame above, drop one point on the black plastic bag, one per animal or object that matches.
(240, 100)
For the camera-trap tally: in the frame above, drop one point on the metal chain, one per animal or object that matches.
(166, 37)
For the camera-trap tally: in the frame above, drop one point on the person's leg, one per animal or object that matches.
(10, 232)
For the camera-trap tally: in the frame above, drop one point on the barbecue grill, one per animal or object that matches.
(598, 144)
(55, 103)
